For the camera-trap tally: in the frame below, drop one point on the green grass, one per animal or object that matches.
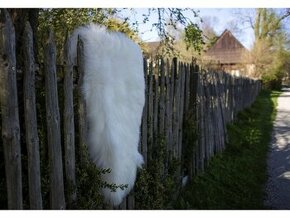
(235, 178)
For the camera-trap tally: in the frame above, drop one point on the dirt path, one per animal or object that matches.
(278, 184)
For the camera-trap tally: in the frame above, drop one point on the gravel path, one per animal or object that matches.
(278, 184)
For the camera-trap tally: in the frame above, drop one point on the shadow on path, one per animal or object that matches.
(278, 184)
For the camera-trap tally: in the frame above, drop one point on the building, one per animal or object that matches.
(230, 55)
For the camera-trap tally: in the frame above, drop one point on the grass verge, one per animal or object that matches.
(235, 178)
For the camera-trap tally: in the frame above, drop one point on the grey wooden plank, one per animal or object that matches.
(144, 117)
(32, 139)
(81, 105)
(9, 112)
(168, 115)
(69, 126)
(162, 99)
(181, 114)
(53, 126)
(176, 110)
(155, 105)
(150, 113)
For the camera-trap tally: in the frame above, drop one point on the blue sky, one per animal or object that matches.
(221, 18)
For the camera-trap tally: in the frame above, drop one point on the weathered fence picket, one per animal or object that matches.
(162, 98)
(150, 116)
(32, 139)
(81, 103)
(168, 117)
(53, 126)
(156, 93)
(181, 114)
(69, 125)
(145, 118)
(9, 112)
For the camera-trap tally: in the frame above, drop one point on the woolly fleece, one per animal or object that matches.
(113, 89)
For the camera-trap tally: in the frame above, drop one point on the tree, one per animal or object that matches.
(169, 17)
(63, 21)
(193, 37)
(182, 47)
(270, 48)
(268, 23)
(209, 34)
(115, 24)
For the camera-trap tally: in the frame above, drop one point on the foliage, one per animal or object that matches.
(235, 178)
(172, 20)
(193, 37)
(154, 189)
(268, 23)
(89, 184)
(180, 50)
(279, 68)
(64, 21)
(169, 17)
(209, 34)
(270, 47)
(192, 41)
(124, 27)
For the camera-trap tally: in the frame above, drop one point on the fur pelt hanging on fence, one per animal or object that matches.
(113, 89)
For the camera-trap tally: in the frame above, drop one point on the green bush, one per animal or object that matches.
(155, 186)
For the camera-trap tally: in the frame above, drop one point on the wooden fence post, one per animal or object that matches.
(81, 103)
(175, 105)
(162, 99)
(168, 116)
(32, 140)
(155, 103)
(187, 88)
(53, 126)
(144, 117)
(181, 116)
(170, 108)
(150, 115)
(9, 112)
(206, 118)
(192, 107)
(69, 125)
(201, 84)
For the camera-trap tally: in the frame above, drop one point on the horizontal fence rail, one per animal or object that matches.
(184, 122)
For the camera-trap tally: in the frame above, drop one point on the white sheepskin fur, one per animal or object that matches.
(113, 89)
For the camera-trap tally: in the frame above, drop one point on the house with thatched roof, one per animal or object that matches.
(229, 54)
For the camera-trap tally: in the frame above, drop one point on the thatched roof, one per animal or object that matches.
(227, 50)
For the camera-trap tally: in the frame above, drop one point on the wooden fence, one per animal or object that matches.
(179, 96)
(186, 112)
